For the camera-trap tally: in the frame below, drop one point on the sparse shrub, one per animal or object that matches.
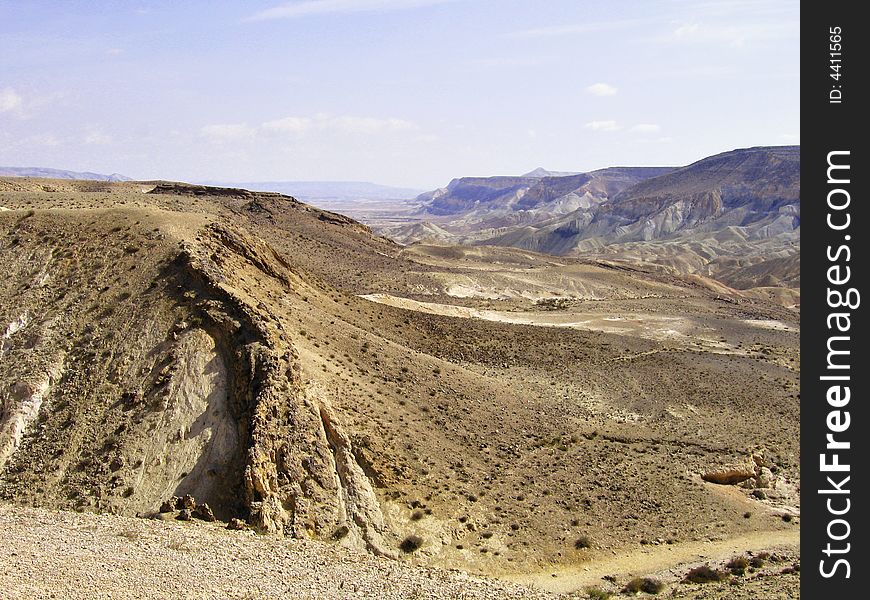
(417, 515)
(411, 544)
(704, 574)
(757, 561)
(582, 542)
(643, 584)
(597, 594)
(738, 565)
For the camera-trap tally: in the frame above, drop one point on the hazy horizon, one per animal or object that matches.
(406, 93)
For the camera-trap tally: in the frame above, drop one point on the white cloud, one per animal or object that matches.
(368, 124)
(735, 35)
(577, 29)
(304, 8)
(228, 131)
(686, 31)
(115, 51)
(601, 89)
(646, 128)
(603, 126)
(10, 101)
(791, 138)
(43, 139)
(288, 125)
(97, 138)
(295, 126)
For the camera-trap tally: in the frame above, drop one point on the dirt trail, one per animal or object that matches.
(654, 559)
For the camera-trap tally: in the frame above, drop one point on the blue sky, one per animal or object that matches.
(402, 92)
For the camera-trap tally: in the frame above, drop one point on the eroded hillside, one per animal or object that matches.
(507, 410)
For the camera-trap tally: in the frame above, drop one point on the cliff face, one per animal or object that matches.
(482, 199)
(146, 359)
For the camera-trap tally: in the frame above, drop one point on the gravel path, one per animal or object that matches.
(53, 554)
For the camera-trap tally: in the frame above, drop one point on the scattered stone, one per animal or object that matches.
(170, 505)
(203, 511)
(765, 478)
(116, 463)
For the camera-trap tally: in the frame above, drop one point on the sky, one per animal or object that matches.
(399, 92)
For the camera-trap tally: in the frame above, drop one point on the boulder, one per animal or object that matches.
(188, 502)
(203, 511)
(170, 505)
(236, 524)
(731, 474)
(184, 515)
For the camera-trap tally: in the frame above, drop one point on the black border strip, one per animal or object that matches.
(832, 121)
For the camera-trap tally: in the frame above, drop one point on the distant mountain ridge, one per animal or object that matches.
(474, 209)
(60, 174)
(542, 172)
(754, 189)
(734, 216)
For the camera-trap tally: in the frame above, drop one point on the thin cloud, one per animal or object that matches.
(10, 101)
(578, 28)
(296, 126)
(734, 35)
(603, 126)
(305, 8)
(97, 138)
(368, 124)
(646, 128)
(601, 89)
(228, 131)
(288, 125)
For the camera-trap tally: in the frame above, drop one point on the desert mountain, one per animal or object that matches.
(734, 216)
(485, 408)
(59, 174)
(474, 209)
(542, 172)
(754, 191)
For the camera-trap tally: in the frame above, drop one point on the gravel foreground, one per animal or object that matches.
(55, 554)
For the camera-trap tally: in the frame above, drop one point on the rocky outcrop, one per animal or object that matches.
(198, 395)
(730, 474)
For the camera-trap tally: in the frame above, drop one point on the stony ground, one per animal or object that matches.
(58, 554)
(55, 554)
